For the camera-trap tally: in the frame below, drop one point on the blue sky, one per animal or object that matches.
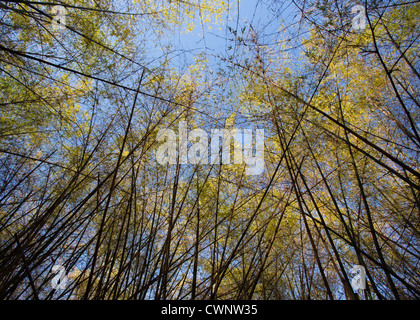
(217, 39)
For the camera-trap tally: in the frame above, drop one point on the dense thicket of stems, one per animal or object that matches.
(80, 185)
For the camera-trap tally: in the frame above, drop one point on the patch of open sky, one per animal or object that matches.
(266, 18)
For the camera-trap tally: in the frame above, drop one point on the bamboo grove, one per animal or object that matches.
(80, 186)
